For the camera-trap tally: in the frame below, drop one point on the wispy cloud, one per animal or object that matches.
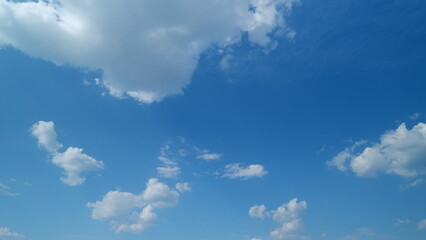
(238, 170)
(5, 190)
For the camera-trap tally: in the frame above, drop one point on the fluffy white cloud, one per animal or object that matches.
(146, 49)
(258, 211)
(183, 187)
(128, 212)
(235, 170)
(114, 204)
(159, 195)
(210, 156)
(422, 225)
(73, 161)
(5, 233)
(46, 136)
(288, 216)
(401, 152)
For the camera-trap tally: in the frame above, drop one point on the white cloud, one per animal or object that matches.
(210, 156)
(168, 172)
(159, 195)
(5, 233)
(422, 225)
(128, 212)
(235, 170)
(183, 187)
(288, 216)
(340, 161)
(146, 49)
(46, 136)
(401, 152)
(73, 161)
(258, 211)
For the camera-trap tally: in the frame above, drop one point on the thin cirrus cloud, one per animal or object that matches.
(128, 212)
(399, 152)
(73, 161)
(147, 50)
(237, 170)
(288, 216)
(5, 190)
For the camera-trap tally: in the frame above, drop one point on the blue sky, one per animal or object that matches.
(255, 119)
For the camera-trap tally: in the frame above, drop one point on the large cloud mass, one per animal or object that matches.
(401, 152)
(146, 49)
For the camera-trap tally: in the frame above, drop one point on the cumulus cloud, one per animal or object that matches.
(5, 233)
(422, 225)
(146, 49)
(73, 161)
(258, 211)
(400, 152)
(128, 212)
(46, 136)
(236, 170)
(288, 216)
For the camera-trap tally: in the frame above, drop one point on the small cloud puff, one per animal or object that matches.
(73, 161)
(236, 170)
(288, 216)
(129, 212)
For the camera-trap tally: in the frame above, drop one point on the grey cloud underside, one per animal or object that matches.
(147, 49)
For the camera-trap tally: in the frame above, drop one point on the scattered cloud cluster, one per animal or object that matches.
(400, 152)
(73, 161)
(5, 233)
(237, 170)
(288, 216)
(128, 212)
(147, 49)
